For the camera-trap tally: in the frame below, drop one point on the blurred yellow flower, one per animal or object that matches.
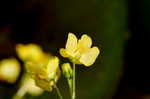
(30, 52)
(42, 67)
(44, 74)
(9, 70)
(80, 51)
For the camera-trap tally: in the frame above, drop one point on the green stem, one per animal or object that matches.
(20, 93)
(74, 83)
(58, 92)
(70, 86)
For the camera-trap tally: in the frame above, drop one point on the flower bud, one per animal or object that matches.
(67, 70)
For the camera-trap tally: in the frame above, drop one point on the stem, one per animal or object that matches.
(58, 92)
(70, 86)
(20, 93)
(74, 83)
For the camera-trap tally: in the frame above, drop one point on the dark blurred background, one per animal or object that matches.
(120, 28)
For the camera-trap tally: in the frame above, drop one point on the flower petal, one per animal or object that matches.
(53, 65)
(28, 86)
(62, 51)
(71, 44)
(85, 41)
(33, 69)
(44, 84)
(89, 57)
(31, 52)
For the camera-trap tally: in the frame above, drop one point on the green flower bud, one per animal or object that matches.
(67, 70)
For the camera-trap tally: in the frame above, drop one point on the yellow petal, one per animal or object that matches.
(28, 86)
(35, 69)
(32, 88)
(44, 84)
(89, 57)
(53, 65)
(62, 52)
(71, 44)
(85, 41)
(47, 83)
(29, 52)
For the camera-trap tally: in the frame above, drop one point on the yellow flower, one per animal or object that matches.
(80, 51)
(30, 52)
(9, 70)
(44, 74)
(42, 67)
